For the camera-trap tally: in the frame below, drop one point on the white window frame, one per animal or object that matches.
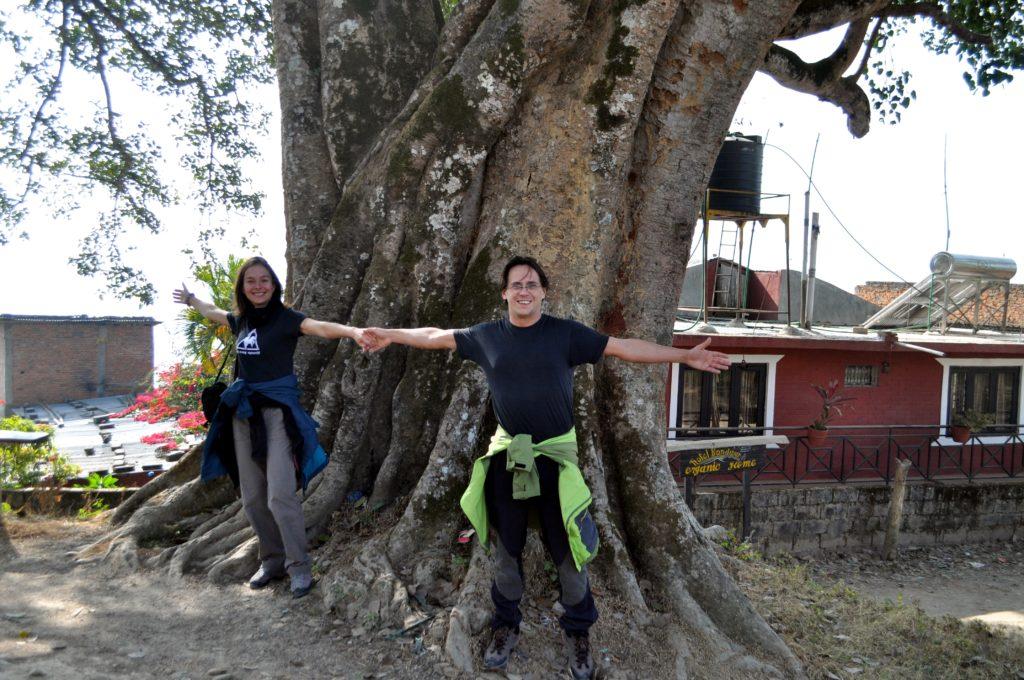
(770, 360)
(946, 364)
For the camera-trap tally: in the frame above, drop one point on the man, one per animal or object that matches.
(528, 359)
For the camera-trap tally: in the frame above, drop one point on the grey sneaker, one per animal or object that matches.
(503, 641)
(581, 665)
(301, 585)
(263, 577)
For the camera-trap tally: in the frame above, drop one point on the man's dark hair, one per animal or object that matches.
(529, 262)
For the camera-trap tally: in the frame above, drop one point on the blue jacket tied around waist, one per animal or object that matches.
(219, 446)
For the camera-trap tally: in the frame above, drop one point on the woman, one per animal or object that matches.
(260, 435)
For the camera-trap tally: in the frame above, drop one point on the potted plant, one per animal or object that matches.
(831, 398)
(964, 423)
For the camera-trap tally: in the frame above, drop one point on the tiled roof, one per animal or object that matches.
(108, 320)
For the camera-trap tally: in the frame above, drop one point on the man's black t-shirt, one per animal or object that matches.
(530, 369)
(266, 351)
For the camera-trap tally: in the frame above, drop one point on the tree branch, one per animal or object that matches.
(157, 63)
(935, 12)
(841, 60)
(791, 71)
(868, 46)
(816, 16)
(825, 78)
(51, 91)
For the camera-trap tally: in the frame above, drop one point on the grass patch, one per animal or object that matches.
(837, 633)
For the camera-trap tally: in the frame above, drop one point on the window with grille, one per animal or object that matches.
(732, 401)
(861, 376)
(992, 390)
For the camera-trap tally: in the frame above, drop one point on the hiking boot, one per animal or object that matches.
(301, 585)
(263, 577)
(581, 665)
(503, 641)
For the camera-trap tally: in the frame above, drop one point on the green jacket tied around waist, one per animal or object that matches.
(573, 494)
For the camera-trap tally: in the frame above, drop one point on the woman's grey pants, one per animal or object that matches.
(269, 497)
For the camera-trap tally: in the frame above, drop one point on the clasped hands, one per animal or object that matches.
(372, 339)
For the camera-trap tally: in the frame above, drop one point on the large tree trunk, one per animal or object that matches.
(581, 133)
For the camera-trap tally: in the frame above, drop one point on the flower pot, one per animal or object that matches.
(816, 437)
(961, 434)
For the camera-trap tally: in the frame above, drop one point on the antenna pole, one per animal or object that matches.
(807, 215)
(945, 187)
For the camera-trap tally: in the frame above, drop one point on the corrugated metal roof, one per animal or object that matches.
(767, 329)
(109, 320)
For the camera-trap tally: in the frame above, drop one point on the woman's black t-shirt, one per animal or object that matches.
(266, 351)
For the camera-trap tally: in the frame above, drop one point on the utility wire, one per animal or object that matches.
(836, 217)
(696, 245)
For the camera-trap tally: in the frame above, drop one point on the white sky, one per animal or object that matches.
(886, 188)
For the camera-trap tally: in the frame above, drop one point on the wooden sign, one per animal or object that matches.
(721, 459)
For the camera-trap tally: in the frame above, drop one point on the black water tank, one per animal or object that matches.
(738, 169)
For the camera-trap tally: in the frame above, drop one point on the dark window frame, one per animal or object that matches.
(874, 375)
(707, 385)
(969, 372)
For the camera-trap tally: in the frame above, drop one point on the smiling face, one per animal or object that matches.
(258, 285)
(523, 294)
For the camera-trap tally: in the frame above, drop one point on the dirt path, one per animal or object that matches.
(61, 621)
(58, 620)
(977, 582)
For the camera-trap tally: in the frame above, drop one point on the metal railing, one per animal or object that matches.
(867, 453)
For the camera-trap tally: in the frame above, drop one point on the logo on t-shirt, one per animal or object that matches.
(249, 344)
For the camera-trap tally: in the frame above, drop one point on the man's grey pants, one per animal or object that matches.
(269, 497)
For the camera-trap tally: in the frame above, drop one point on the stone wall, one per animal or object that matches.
(811, 519)
(65, 501)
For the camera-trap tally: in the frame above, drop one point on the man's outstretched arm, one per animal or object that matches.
(421, 338)
(644, 352)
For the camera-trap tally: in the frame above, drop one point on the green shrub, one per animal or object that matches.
(97, 481)
(93, 508)
(28, 464)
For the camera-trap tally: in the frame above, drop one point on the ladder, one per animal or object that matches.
(726, 287)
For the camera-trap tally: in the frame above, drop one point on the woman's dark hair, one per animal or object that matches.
(242, 305)
(529, 262)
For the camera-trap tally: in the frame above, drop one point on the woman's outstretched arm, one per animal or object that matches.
(207, 309)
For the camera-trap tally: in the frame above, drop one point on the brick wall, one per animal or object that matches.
(129, 358)
(847, 517)
(49, 362)
(882, 293)
(909, 393)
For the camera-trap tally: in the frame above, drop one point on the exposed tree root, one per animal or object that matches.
(471, 613)
(187, 468)
(156, 519)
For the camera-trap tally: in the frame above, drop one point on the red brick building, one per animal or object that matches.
(906, 385)
(50, 359)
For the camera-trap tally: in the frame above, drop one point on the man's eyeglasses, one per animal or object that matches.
(530, 286)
